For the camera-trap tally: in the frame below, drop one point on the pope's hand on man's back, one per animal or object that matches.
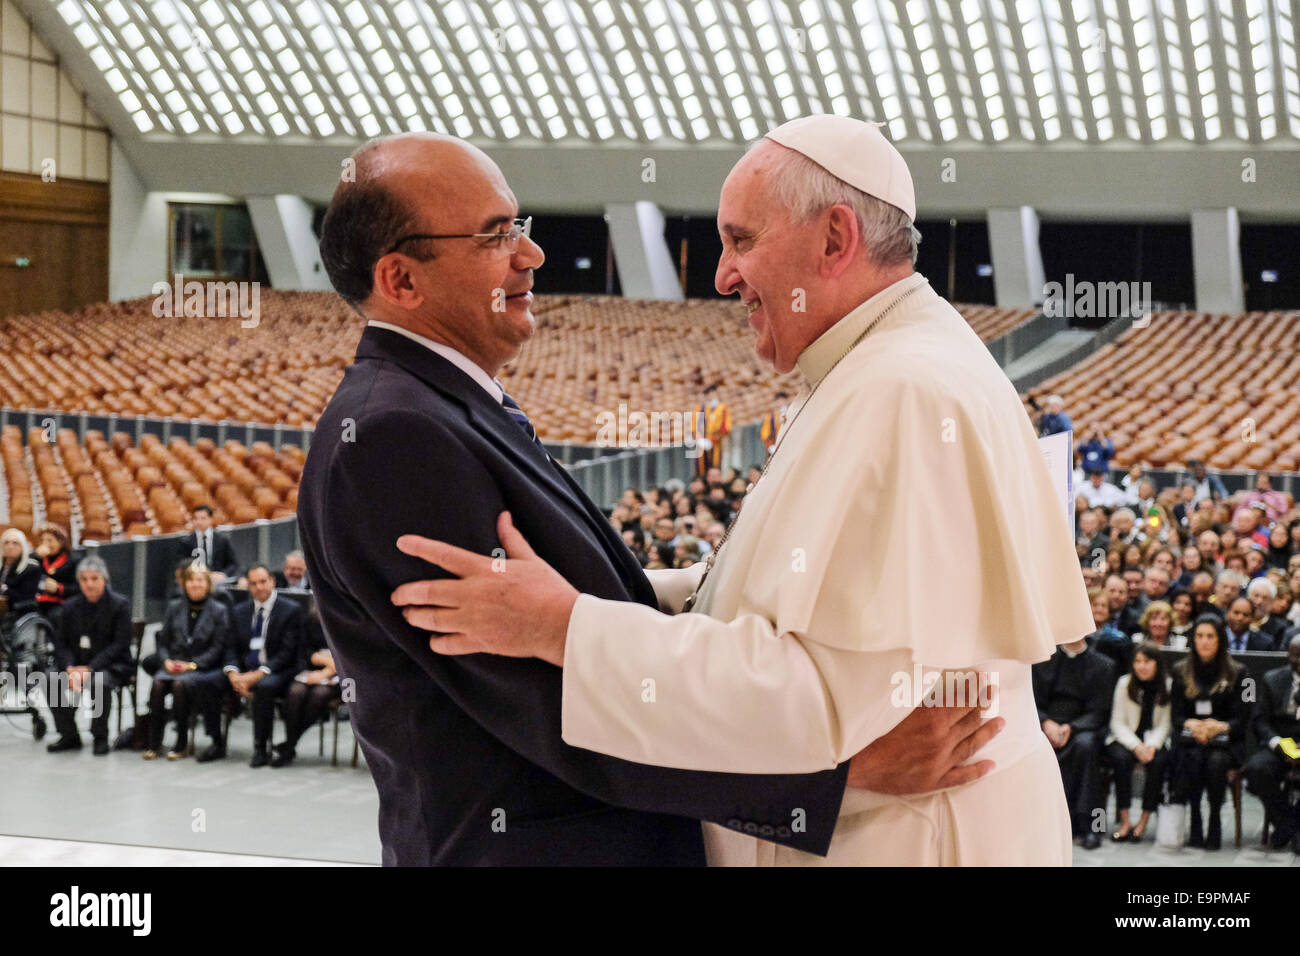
(926, 751)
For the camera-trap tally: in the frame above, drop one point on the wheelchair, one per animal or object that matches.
(27, 648)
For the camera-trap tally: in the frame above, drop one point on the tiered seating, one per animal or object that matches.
(111, 488)
(593, 353)
(991, 322)
(1221, 388)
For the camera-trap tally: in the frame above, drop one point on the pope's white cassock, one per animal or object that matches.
(906, 518)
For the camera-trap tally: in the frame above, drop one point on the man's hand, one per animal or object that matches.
(1066, 730)
(517, 607)
(1054, 734)
(1144, 753)
(925, 751)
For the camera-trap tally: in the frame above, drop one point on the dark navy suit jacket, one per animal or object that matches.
(466, 751)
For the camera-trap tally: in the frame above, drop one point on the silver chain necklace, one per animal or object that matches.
(713, 555)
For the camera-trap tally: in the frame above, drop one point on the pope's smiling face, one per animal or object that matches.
(767, 259)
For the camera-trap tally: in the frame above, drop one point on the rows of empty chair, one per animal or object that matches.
(110, 488)
(593, 353)
(1224, 389)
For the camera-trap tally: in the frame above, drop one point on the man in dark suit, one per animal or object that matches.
(419, 438)
(293, 575)
(92, 653)
(1241, 636)
(209, 546)
(262, 657)
(1073, 690)
(1277, 716)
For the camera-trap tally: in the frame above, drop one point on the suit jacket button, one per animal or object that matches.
(751, 829)
(735, 824)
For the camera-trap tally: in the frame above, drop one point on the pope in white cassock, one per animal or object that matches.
(905, 523)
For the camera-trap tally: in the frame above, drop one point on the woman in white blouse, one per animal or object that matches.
(1139, 732)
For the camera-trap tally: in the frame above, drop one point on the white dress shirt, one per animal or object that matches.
(476, 372)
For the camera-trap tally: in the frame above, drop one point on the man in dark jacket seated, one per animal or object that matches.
(262, 656)
(1073, 689)
(1277, 717)
(92, 653)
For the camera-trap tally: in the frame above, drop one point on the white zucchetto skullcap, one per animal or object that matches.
(855, 151)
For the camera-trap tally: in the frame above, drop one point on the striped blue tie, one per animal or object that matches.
(517, 413)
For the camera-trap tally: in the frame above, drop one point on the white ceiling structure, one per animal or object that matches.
(283, 87)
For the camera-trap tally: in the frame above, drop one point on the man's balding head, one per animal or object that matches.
(461, 289)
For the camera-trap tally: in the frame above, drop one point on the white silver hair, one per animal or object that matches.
(94, 565)
(1229, 574)
(1263, 584)
(807, 190)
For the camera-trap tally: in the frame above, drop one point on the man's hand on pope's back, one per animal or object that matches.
(925, 751)
(517, 606)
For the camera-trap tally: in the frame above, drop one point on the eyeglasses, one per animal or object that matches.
(507, 241)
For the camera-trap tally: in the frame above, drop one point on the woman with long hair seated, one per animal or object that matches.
(1209, 725)
(1139, 734)
(313, 690)
(1184, 608)
(191, 643)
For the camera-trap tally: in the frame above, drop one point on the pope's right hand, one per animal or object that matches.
(925, 752)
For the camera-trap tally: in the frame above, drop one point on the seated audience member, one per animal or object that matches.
(634, 538)
(1279, 547)
(1106, 639)
(1139, 734)
(1209, 544)
(1164, 559)
(209, 547)
(1203, 594)
(310, 692)
(665, 531)
(1155, 584)
(1133, 576)
(191, 647)
(1209, 726)
(662, 555)
(1190, 565)
(1122, 617)
(687, 551)
(1093, 535)
(1238, 633)
(92, 655)
(1097, 451)
(1235, 562)
(1125, 529)
(1262, 593)
(1072, 690)
(293, 575)
(58, 580)
(1255, 562)
(713, 534)
(1053, 419)
(1271, 503)
(1155, 626)
(1277, 718)
(1283, 605)
(261, 657)
(1183, 606)
(20, 577)
(1227, 588)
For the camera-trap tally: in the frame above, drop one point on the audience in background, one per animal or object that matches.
(261, 657)
(92, 656)
(312, 690)
(1277, 719)
(58, 580)
(1139, 735)
(191, 646)
(1209, 723)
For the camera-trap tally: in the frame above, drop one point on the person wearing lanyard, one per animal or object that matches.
(92, 653)
(1209, 724)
